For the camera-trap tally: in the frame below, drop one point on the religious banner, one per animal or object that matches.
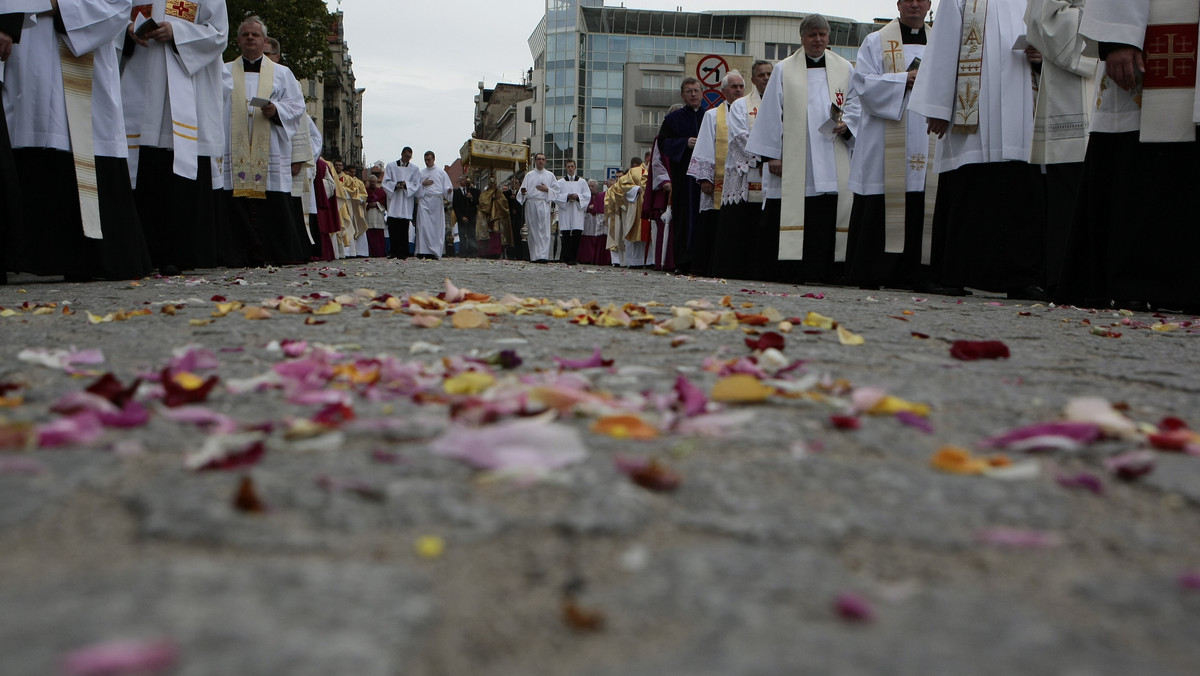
(1169, 83)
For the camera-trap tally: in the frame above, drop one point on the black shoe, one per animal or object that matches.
(940, 290)
(1028, 292)
(169, 271)
(869, 286)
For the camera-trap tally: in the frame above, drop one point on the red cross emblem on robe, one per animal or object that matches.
(1170, 56)
(182, 9)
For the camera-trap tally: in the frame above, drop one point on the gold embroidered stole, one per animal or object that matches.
(1169, 84)
(722, 152)
(77, 87)
(250, 144)
(795, 154)
(970, 68)
(896, 158)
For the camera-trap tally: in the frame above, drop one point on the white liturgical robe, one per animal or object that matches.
(1066, 88)
(704, 155)
(766, 139)
(401, 200)
(289, 111)
(34, 101)
(1125, 22)
(1005, 91)
(878, 97)
(188, 69)
(571, 213)
(537, 210)
(431, 211)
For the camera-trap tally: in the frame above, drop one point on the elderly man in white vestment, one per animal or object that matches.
(401, 183)
(171, 86)
(538, 190)
(1134, 240)
(976, 92)
(573, 198)
(709, 167)
(62, 102)
(800, 133)
(1065, 97)
(264, 107)
(741, 199)
(889, 169)
(436, 188)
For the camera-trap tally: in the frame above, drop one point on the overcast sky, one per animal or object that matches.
(420, 62)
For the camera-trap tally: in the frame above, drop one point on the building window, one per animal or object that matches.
(653, 118)
(599, 116)
(778, 51)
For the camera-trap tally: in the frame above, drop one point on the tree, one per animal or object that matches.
(302, 28)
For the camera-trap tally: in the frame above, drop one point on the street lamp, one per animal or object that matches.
(571, 138)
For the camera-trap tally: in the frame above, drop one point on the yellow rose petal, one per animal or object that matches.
(740, 388)
(848, 338)
(470, 382)
(430, 546)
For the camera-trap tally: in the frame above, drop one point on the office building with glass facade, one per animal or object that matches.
(604, 77)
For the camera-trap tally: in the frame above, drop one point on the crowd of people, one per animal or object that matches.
(1038, 148)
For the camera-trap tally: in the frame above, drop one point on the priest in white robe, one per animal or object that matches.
(573, 199)
(891, 223)
(1066, 95)
(1134, 238)
(988, 224)
(800, 132)
(401, 183)
(538, 191)
(435, 190)
(264, 107)
(171, 86)
(742, 190)
(708, 168)
(62, 103)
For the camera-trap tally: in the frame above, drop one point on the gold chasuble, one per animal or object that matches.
(795, 154)
(250, 133)
(970, 68)
(1169, 84)
(896, 159)
(77, 89)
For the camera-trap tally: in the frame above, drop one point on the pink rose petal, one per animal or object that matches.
(692, 400)
(853, 608)
(530, 447)
(595, 361)
(1044, 436)
(81, 428)
(121, 657)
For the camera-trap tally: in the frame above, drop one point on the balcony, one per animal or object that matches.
(655, 98)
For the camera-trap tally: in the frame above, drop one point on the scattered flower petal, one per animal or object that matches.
(121, 657)
(595, 361)
(649, 474)
(625, 427)
(972, 350)
(530, 447)
(1085, 480)
(853, 608)
(1131, 465)
(740, 388)
(1019, 538)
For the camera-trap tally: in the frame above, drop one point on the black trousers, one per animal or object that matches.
(398, 234)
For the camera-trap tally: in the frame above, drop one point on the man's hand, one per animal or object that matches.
(840, 129)
(296, 167)
(1124, 65)
(542, 187)
(775, 167)
(706, 186)
(135, 37)
(6, 44)
(1032, 55)
(691, 141)
(268, 110)
(427, 182)
(936, 126)
(912, 79)
(572, 197)
(164, 33)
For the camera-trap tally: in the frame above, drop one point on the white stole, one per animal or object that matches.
(795, 155)
(185, 126)
(1169, 106)
(77, 89)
